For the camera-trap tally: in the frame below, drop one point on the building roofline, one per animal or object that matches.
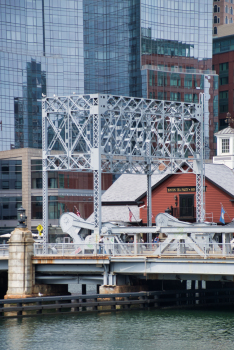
(169, 175)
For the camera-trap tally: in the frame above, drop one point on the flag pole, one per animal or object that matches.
(134, 216)
(226, 212)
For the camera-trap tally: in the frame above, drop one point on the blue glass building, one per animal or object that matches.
(154, 49)
(41, 51)
(145, 48)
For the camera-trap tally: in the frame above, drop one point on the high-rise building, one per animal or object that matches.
(223, 14)
(41, 51)
(153, 49)
(223, 63)
(145, 48)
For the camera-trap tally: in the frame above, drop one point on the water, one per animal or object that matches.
(137, 330)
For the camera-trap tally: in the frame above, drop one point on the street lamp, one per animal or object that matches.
(21, 217)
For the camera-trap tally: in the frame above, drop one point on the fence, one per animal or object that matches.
(138, 249)
(203, 250)
(120, 301)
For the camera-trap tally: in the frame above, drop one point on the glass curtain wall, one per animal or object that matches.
(41, 52)
(176, 56)
(112, 47)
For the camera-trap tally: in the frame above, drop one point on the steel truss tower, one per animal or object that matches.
(124, 135)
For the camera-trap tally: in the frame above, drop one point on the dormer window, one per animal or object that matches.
(225, 146)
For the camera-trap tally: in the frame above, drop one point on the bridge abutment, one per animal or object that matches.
(21, 272)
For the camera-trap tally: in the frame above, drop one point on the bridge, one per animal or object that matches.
(185, 252)
(114, 263)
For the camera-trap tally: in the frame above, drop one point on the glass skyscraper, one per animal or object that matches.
(144, 48)
(41, 51)
(154, 49)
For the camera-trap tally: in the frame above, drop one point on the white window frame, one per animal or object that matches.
(225, 145)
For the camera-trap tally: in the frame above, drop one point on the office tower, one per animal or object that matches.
(223, 63)
(155, 49)
(41, 51)
(150, 48)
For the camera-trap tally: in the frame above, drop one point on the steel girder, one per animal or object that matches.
(127, 125)
(119, 134)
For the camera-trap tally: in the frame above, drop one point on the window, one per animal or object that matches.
(188, 98)
(188, 81)
(215, 30)
(18, 185)
(215, 19)
(218, 9)
(226, 8)
(223, 81)
(215, 8)
(231, 11)
(162, 79)
(218, 19)
(162, 96)
(5, 185)
(223, 108)
(175, 96)
(175, 80)
(230, 21)
(223, 95)
(223, 67)
(226, 20)
(223, 101)
(225, 145)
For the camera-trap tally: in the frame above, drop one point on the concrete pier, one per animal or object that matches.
(21, 271)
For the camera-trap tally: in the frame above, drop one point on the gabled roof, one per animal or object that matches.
(222, 176)
(226, 131)
(130, 188)
(118, 213)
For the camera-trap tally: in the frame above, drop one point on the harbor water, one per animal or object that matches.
(135, 329)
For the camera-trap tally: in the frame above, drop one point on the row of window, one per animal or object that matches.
(223, 45)
(174, 96)
(226, 22)
(231, 10)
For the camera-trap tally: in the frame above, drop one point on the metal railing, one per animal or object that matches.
(201, 250)
(139, 249)
(4, 250)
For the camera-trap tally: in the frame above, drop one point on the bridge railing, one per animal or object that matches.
(4, 250)
(201, 250)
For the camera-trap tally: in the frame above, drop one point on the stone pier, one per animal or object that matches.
(21, 272)
(20, 269)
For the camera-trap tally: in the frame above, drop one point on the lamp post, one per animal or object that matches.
(21, 217)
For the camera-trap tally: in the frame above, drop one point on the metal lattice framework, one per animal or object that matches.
(117, 134)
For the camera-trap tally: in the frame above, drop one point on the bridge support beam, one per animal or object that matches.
(20, 269)
(21, 272)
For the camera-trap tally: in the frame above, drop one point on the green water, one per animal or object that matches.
(137, 330)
